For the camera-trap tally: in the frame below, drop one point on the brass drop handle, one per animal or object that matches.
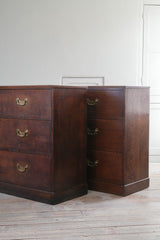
(93, 164)
(22, 134)
(21, 102)
(92, 102)
(92, 132)
(22, 169)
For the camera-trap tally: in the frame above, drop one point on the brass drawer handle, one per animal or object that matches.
(22, 169)
(92, 132)
(22, 134)
(93, 164)
(21, 102)
(92, 102)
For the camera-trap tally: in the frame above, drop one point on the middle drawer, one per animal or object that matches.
(29, 136)
(105, 135)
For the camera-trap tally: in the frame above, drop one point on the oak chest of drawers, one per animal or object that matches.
(43, 142)
(118, 129)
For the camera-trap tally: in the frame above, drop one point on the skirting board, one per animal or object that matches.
(122, 190)
(43, 196)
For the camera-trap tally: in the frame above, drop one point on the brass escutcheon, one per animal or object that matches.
(92, 102)
(93, 164)
(92, 132)
(21, 102)
(22, 134)
(22, 169)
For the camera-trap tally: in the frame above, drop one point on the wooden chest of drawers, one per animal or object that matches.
(118, 129)
(43, 142)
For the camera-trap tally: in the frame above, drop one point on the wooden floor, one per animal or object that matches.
(96, 216)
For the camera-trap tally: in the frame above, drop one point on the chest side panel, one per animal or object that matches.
(136, 135)
(69, 138)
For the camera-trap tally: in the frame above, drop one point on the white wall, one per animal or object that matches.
(42, 41)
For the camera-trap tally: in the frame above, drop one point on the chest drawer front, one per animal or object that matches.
(104, 166)
(25, 135)
(105, 104)
(25, 170)
(105, 135)
(30, 104)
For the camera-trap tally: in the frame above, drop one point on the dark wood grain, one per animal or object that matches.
(55, 148)
(70, 139)
(133, 104)
(136, 148)
(37, 141)
(109, 167)
(37, 107)
(109, 104)
(118, 189)
(40, 87)
(109, 136)
(42, 195)
(37, 175)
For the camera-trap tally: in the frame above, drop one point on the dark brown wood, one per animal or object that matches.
(41, 195)
(109, 166)
(109, 104)
(37, 175)
(69, 129)
(136, 135)
(38, 104)
(113, 129)
(54, 150)
(38, 139)
(128, 173)
(39, 87)
(118, 189)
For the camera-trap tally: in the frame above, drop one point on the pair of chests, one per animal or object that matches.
(49, 134)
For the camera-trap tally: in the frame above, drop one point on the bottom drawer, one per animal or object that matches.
(105, 166)
(26, 170)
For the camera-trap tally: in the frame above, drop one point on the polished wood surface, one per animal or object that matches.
(51, 157)
(128, 135)
(96, 216)
(109, 106)
(109, 166)
(136, 148)
(36, 175)
(38, 104)
(38, 139)
(109, 136)
(70, 139)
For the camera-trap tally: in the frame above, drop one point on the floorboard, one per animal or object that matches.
(96, 216)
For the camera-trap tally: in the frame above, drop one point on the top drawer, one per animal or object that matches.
(30, 104)
(105, 104)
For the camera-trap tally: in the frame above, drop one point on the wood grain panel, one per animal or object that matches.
(37, 175)
(38, 104)
(109, 166)
(109, 105)
(109, 136)
(37, 141)
(122, 125)
(136, 148)
(70, 139)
